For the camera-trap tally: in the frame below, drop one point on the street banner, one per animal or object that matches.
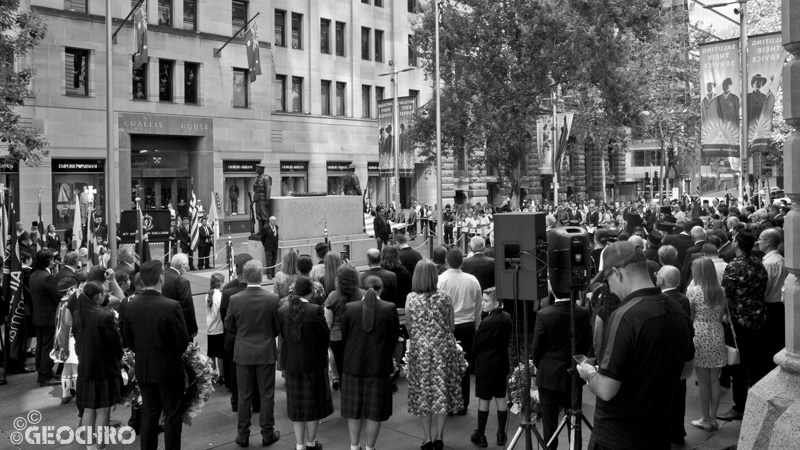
(719, 107)
(544, 144)
(564, 128)
(386, 157)
(765, 57)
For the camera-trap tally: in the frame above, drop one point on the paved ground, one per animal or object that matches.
(216, 425)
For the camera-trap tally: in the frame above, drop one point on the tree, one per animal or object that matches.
(20, 31)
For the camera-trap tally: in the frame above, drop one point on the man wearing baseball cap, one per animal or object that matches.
(647, 348)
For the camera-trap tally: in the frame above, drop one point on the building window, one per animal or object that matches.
(412, 51)
(297, 33)
(191, 71)
(297, 94)
(412, 6)
(74, 176)
(340, 88)
(190, 15)
(78, 6)
(239, 17)
(379, 3)
(76, 71)
(294, 177)
(165, 13)
(379, 45)
(325, 97)
(140, 82)
(325, 36)
(366, 2)
(647, 158)
(240, 83)
(415, 95)
(365, 100)
(339, 39)
(280, 26)
(280, 93)
(379, 90)
(165, 69)
(365, 43)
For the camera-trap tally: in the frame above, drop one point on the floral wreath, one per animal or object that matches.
(516, 387)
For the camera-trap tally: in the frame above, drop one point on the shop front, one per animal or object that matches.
(76, 179)
(294, 177)
(9, 186)
(239, 177)
(336, 170)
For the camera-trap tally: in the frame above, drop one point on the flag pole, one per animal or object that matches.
(218, 51)
(130, 13)
(111, 192)
(439, 205)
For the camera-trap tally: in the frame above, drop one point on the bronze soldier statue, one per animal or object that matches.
(350, 182)
(262, 189)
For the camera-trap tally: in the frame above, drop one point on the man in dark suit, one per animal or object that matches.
(381, 227)
(45, 298)
(69, 269)
(389, 279)
(155, 331)
(204, 245)
(408, 256)
(698, 235)
(252, 318)
(126, 262)
(552, 356)
(185, 236)
(178, 288)
(681, 241)
(668, 279)
(479, 265)
(269, 238)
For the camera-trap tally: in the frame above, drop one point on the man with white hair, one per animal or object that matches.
(768, 242)
(178, 288)
(479, 265)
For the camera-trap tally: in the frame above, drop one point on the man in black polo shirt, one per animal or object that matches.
(647, 348)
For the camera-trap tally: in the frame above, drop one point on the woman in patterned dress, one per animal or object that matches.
(707, 301)
(434, 359)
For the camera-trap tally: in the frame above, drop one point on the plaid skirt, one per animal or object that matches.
(100, 393)
(308, 395)
(366, 397)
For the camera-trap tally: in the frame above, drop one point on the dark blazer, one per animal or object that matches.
(228, 291)
(178, 288)
(185, 237)
(482, 267)
(369, 354)
(45, 298)
(552, 352)
(681, 242)
(389, 292)
(270, 239)
(53, 243)
(680, 298)
(490, 345)
(155, 330)
(311, 353)
(206, 237)
(381, 229)
(410, 257)
(403, 285)
(67, 272)
(252, 318)
(98, 344)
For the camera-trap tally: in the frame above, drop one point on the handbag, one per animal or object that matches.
(732, 352)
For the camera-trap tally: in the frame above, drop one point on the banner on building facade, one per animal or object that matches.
(544, 144)
(719, 107)
(564, 128)
(386, 135)
(765, 57)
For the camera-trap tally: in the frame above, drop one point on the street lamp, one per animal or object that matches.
(396, 127)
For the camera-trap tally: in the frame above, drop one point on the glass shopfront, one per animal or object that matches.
(373, 183)
(239, 179)
(294, 177)
(83, 179)
(9, 186)
(336, 170)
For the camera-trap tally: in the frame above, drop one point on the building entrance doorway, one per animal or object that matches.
(158, 193)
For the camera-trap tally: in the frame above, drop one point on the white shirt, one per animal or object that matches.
(213, 317)
(776, 276)
(465, 291)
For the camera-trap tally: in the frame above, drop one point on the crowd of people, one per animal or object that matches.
(671, 286)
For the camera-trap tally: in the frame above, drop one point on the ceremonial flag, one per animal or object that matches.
(12, 275)
(4, 228)
(77, 230)
(139, 234)
(195, 223)
(40, 227)
(140, 23)
(213, 216)
(231, 269)
(253, 52)
(564, 128)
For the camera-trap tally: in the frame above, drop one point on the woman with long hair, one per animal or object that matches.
(99, 347)
(216, 338)
(435, 361)
(288, 273)
(346, 291)
(332, 262)
(369, 331)
(304, 358)
(707, 302)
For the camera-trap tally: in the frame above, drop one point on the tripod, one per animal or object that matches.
(574, 415)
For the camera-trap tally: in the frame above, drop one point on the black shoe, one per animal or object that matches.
(438, 444)
(271, 439)
(732, 414)
(501, 438)
(67, 399)
(335, 384)
(50, 382)
(317, 446)
(426, 446)
(235, 407)
(243, 442)
(479, 439)
(462, 411)
(725, 382)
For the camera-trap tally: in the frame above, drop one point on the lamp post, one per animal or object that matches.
(111, 191)
(396, 127)
(439, 205)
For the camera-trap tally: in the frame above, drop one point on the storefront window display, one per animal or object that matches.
(239, 179)
(294, 177)
(336, 169)
(81, 178)
(373, 183)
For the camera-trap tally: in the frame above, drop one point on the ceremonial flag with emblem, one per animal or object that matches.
(253, 54)
(40, 227)
(195, 223)
(140, 23)
(77, 231)
(213, 217)
(12, 275)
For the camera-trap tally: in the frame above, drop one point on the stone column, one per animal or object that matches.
(773, 405)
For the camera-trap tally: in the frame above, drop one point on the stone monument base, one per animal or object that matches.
(772, 416)
(355, 245)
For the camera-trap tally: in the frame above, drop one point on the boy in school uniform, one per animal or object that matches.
(491, 366)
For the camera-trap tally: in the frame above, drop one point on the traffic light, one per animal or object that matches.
(647, 175)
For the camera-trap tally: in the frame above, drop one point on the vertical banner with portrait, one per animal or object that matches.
(385, 138)
(386, 160)
(544, 144)
(765, 57)
(407, 105)
(719, 107)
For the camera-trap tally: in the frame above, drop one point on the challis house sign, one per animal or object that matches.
(165, 124)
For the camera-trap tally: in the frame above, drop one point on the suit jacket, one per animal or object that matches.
(178, 288)
(311, 353)
(270, 239)
(482, 267)
(206, 237)
(252, 318)
(45, 298)
(155, 330)
(228, 291)
(410, 257)
(53, 243)
(552, 351)
(490, 345)
(127, 268)
(680, 298)
(369, 354)
(681, 242)
(389, 292)
(67, 272)
(381, 229)
(185, 237)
